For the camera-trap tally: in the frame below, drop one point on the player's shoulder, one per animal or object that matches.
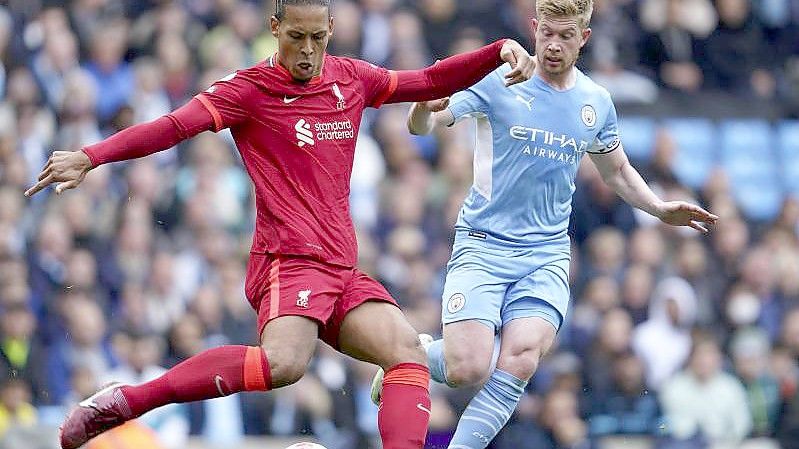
(344, 65)
(589, 87)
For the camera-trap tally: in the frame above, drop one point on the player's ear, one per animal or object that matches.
(274, 24)
(534, 25)
(331, 27)
(586, 34)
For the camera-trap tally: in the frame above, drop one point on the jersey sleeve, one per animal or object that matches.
(474, 101)
(228, 100)
(607, 139)
(378, 83)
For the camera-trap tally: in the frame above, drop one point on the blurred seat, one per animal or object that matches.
(638, 137)
(696, 141)
(788, 148)
(749, 157)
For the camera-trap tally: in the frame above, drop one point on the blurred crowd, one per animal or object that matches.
(687, 339)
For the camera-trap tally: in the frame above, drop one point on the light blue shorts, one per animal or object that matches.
(496, 285)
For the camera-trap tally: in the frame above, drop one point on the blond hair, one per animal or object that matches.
(580, 9)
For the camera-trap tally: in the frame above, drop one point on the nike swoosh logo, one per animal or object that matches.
(218, 381)
(89, 402)
(423, 408)
(288, 100)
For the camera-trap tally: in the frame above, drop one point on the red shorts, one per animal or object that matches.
(289, 285)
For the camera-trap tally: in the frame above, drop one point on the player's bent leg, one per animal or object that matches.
(468, 347)
(377, 332)
(524, 342)
(211, 374)
(288, 343)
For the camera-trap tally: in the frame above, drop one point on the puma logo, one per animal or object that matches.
(529, 104)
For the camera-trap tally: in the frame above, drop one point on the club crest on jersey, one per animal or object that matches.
(588, 114)
(302, 298)
(340, 104)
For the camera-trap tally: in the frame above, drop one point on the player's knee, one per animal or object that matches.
(406, 349)
(284, 367)
(467, 371)
(522, 360)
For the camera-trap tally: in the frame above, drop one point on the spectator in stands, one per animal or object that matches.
(738, 38)
(663, 342)
(139, 357)
(86, 347)
(628, 408)
(21, 354)
(672, 47)
(703, 401)
(751, 352)
(612, 340)
(15, 406)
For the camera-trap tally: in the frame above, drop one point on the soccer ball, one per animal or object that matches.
(306, 446)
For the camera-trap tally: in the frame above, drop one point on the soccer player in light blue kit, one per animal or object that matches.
(508, 274)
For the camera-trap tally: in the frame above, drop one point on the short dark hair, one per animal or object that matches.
(280, 5)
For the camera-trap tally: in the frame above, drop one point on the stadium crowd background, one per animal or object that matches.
(684, 339)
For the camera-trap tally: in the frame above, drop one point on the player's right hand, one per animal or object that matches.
(68, 168)
(435, 105)
(522, 64)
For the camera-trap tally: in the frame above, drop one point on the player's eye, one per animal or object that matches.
(319, 36)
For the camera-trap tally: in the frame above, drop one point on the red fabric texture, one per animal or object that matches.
(448, 76)
(147, 138)
(299, 286)
(405, 407)
(211, 374)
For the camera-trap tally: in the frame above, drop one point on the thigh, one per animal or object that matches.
(469, 342)
(359, 288)
(377, 332)
(278, 286)
(523, 342)
(542, 294)
(289, 342)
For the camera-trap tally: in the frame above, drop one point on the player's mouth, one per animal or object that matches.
(552, 61)
(305, 67)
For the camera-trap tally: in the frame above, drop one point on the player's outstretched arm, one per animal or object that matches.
(461, 71)
(68, 168)
(621, 176)
(426, 115)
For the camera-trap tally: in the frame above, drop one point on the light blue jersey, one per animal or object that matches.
(511, 243)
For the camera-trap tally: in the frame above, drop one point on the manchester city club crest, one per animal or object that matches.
(588, 114)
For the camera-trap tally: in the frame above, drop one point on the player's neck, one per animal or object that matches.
(561, 81)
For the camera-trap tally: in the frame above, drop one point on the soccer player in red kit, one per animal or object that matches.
(295, 120)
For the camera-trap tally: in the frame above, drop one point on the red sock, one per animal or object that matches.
(404, 407)
(211, 374)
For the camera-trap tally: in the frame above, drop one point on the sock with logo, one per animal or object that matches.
(488, 411)
(211, 374)
(404, 407)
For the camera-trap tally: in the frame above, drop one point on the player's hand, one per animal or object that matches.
(521, 62)
(680, 213)
(68, 168)
(435, 105)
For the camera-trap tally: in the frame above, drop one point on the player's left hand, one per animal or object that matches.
(680, 213)
(521, 62)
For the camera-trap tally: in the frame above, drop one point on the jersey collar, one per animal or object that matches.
(274, 62)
